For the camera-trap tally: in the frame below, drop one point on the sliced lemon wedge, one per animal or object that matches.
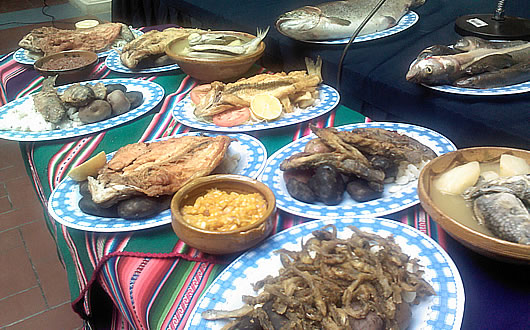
(88, 168)
(266, 106)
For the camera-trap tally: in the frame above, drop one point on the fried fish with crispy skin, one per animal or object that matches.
(50, 40)
(157, 168)
(151, 43)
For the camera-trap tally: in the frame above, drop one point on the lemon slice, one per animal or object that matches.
(88, 168)
(266, 106)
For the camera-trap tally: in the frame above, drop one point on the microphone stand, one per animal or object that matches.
(494, 27)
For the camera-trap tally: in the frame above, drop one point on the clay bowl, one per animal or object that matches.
(211, 68)
(216, 242)
(70, 66)
(479, 242)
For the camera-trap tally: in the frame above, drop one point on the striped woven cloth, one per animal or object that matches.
(152, 278)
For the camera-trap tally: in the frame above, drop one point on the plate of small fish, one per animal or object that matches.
(327, 101)
(404, 23)
(245, 155)
(24, 56)
(395, 195)
(113, 62)
(19, 109)
(239, 281)
(474, 66)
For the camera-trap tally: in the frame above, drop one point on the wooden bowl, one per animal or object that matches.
(479, 242)
(215, 68)
(217, 242)
(70, 66)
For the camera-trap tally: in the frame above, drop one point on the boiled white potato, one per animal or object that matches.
(88, 168)
(512, 165)
(458, 179)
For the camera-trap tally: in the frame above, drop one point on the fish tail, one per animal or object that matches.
(314, 68)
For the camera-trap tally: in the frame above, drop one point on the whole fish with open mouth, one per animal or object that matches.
(340, 19)
(445, 69)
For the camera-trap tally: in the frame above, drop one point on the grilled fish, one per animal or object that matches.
(48, 103)
(157, 168)
(222, 97)
(340, 19)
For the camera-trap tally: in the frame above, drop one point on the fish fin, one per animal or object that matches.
(314, 68)
(338, 21)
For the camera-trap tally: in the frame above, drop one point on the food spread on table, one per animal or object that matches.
(141, 177)
(77, 105)
(360, 162)
(490, 197)
(340, 19)
(49, 40)
(364, 281)
(473, 62)
(263, 97)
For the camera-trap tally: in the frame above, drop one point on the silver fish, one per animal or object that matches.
(340, 19)
(470, 43)
(439, 70)
(516, 74)
(245, 48)
(500, 205)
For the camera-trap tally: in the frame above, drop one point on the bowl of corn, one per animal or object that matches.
(223, 213)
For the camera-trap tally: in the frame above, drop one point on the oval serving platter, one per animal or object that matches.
(407, 21)
(64, 200)
(505, 90)
(400, 198)
(329, 99)
(443, 311)
(152, 92)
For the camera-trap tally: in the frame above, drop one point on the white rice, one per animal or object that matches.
(407, 172)
(26, 118)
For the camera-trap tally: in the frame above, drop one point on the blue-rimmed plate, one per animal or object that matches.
(404, 23)
(505, 90)
(441, 312)
(63, 203)
(113, 62)
(22, 57)
(395, 197)
(329, 99)
(152, 92)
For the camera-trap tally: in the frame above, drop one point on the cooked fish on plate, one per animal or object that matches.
(140, 172)
(352, 170)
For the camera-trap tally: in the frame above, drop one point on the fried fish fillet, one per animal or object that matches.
(157, 168)
(151, 43)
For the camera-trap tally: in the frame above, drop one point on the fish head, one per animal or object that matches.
(416, 3)
(430, 71)
(298, 23)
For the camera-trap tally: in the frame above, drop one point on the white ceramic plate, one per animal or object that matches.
(21, 55)
(113, 62)
(404, 23)
(443, 311)
(64, 200)
(152, 92)
(329, 99)
(390, 202)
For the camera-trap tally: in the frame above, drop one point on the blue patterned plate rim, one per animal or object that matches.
(21, 56)
(153, 93)
(64, 199)
(329, 99)
(113, 62)
(443, 311)
(390, 202)
(497, 91)
(408, 20)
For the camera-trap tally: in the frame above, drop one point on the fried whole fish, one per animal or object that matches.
(445, 69)
(48, 103)
(157, 168)
(222, 97)
(499, 204)
(340, 19)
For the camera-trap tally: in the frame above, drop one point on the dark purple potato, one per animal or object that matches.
(140, 207)
(360, 191)
(328, 185)
(89, 207)
(83, 189)
(113, 87)
(135, 98)
(300, 190)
